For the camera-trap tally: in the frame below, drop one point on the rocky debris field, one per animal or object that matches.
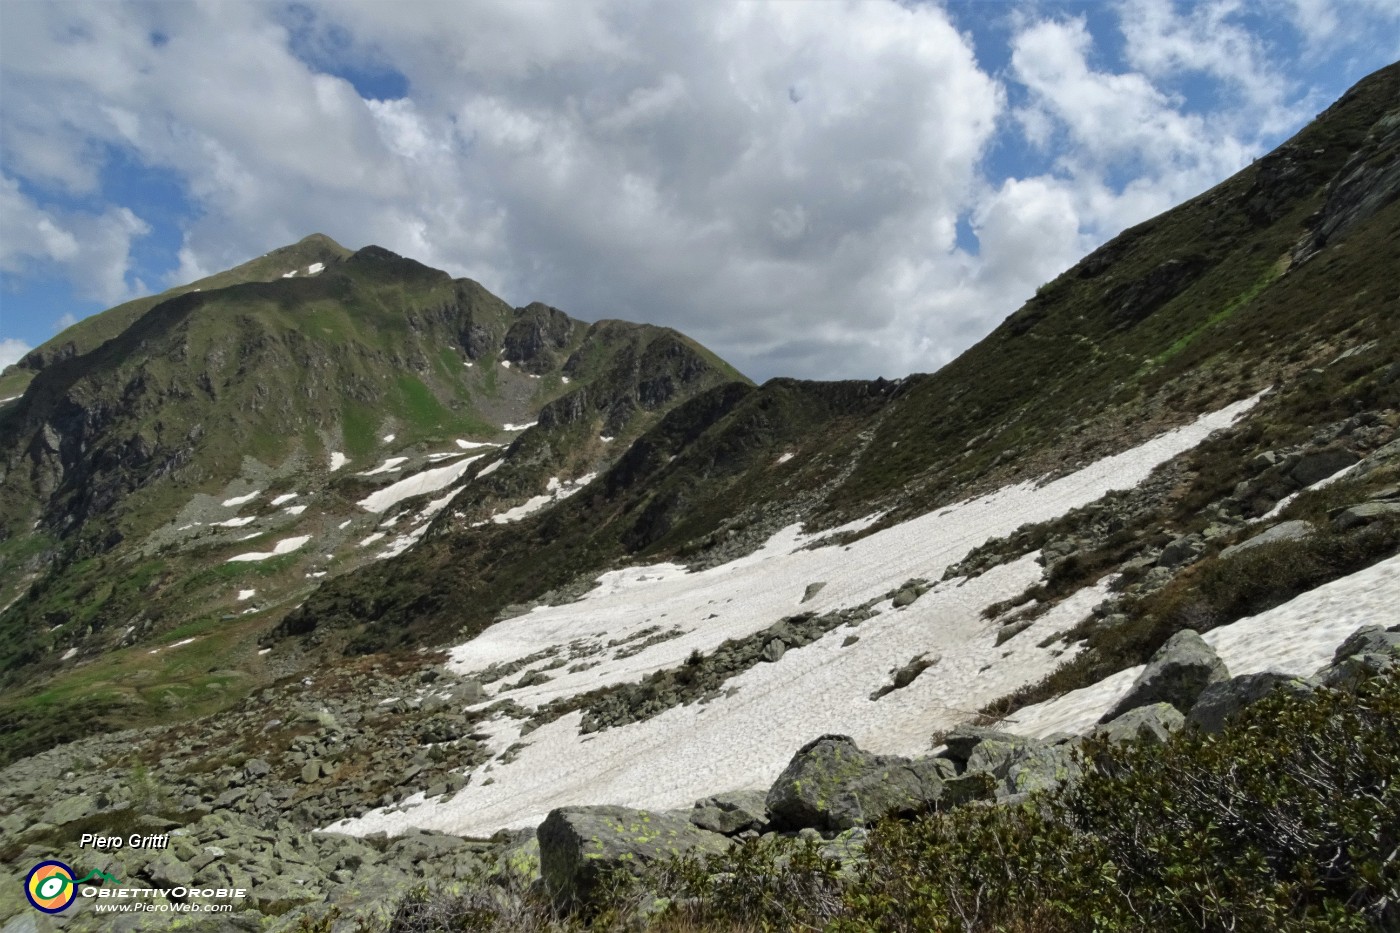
(242, 801)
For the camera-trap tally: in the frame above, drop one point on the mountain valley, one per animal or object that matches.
(387, 600)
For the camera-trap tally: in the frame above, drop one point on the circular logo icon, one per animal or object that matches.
(50, 888)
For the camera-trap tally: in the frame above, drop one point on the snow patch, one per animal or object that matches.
(246, 594)
(375, 536)
(288, 275)
(606, 439)
(388, 466)
(416, 485)
(240, 500)
(389, 438)
(490, 468)
(554, 491)
(338, 460)
(285, 497)
(285, 546)
(238, 522)
(785, 457)
(315, 267)
(71, 651)
(505, 363)
(473, 445)
(518, 427)
(294, 509)
(744, 739)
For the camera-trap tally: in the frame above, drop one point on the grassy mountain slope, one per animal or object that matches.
(219, 422)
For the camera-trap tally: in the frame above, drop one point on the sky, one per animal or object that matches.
(812, 188)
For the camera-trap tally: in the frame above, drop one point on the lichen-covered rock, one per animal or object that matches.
(994, 755)
(730, 813)
(1219, 701)
(1366, 651)
(1044, 767)
(1154, 723)
(581, 846)
(832, 785)
(965, 737)
(1176, 674)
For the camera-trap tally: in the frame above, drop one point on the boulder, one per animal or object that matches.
(1367, 651)
(901, 788)
(69, 809)
(1152, 723)
(1222, 700)
(966, 737)
(1364, 514)
(581, 846)
(1283, 531)
(1043, 767)
(996, 754)
(732, 813)
(802, 794)
(1181, 550)
(774, 651)
(812, 590)
(1176, 674)
(1318, 465)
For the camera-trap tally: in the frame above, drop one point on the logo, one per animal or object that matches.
(51, 888)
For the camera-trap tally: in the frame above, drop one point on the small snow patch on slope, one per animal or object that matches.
(745, 739)
(315, 267)
(285, 497)
(554, 492)
(416, 485)
(388, 466)
(338, 460)
(518, 427)
(240, 500)
(285, 546)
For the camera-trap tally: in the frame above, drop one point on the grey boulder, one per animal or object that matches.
(1177, 674)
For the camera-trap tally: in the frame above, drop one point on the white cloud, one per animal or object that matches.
(783, 181)
(11, 350)
(94, 250)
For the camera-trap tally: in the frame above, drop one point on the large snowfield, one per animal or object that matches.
(744, 738)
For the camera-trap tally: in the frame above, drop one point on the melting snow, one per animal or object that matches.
(71, 651)
(490, 468)
(343, 525)
(294, 509)
(338, 460)
(606, 439)
(416, 485)
(372, 538)
(745, 738)
(288, 275)
(240, 500)
(505, 363)
(177, 644)
(10, 399)
(554, 490)
(389, 438)
(315, 267)
(285, 546)
(785, 458)
(285, 497)
(1296, 638)
(234, 522)
(518, 427)
(472, 445)
(388, 466)
(246, 594)
(564, 379)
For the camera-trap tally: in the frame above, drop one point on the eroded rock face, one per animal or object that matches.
(1176, 674)
(731, 813)
(581, 846)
